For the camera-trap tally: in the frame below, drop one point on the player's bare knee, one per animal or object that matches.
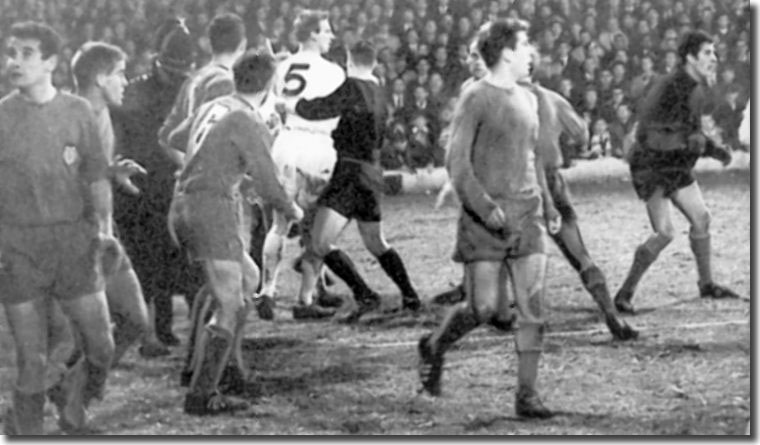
(100, 351)
(373, 239)
(529, 336)
(666, 233)
(701, 224)
(32, 368)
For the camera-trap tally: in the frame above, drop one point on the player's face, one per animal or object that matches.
(113, 84)
(475, 62)
(26, 67)
(325, 36)
(522, 56)
(706, 62)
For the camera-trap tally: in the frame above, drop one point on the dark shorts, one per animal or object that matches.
(560, 194)
(650, 170)
(476, 242)
(211, 227)
(354, 192)
(63, 261)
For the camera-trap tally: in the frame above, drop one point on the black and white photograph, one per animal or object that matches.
(385, 218)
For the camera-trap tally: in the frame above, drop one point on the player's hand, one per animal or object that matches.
(697, 143)
(553, 220)
(497, 220)
(122, 171)
(719, 152)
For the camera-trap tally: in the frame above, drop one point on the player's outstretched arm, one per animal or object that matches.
(329, 106)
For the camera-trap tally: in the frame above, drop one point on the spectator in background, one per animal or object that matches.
(423, 150)
(640, 84)
(438, 95)
(728, 116)
(568, 91)
(604, 85)
(590, 108)
(420, 105)
(621, 130)
(395, 153)
(726, 80)
(600, 143)
(619, 78)
(398, 98)
(670, 62)
(609, 108)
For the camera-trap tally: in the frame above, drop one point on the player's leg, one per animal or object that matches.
(272, 253)
(483, 290)
(225, 279)
(200, 313)
(528, 283)
(126, 305)
(372, 236)
(150, 346)
(690, 202)
(660, 217)
(570, 242)
(236, 373)
(86, 379)
(28, 325)
(325, 231)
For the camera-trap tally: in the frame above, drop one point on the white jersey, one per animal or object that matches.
(306, 75)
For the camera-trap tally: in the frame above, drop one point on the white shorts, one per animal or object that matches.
(305, 163)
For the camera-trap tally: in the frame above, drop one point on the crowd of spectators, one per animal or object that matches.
(601, 55)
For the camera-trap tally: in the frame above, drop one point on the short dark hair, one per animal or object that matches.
(499, 35)
(363, 53)
(253, 71)
(692, 42)
(50, 40)
(92, 59)
(308, 22)
(225, 32)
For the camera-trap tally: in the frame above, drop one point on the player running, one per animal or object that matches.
(354, 190)
(501, 233)
(303, 150)
(230, 144)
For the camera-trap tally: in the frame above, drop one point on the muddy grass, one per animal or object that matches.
(689, 373)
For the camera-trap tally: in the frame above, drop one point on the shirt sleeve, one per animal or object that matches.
(94, 166)
(253, 140)
(330, 106)
(464, 128)
(180, 136)
(572, 123)
(176, 117)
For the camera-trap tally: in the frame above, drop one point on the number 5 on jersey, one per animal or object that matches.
(295, 82)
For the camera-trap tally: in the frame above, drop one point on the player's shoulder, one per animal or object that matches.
(475, 92)
(219, 85)
(76, 105)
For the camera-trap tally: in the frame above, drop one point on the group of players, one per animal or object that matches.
(300, 137)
